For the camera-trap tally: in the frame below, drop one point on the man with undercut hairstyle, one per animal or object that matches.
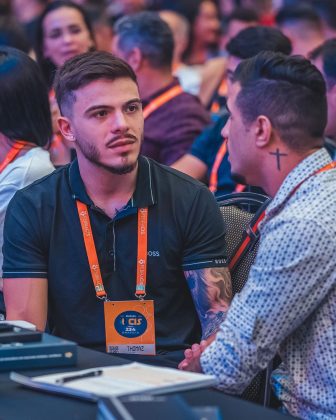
(278, 112)
(114, 231)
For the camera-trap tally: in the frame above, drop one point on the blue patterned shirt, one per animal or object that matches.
(288, 305)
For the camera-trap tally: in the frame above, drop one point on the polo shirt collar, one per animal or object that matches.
(145, 190)
(303, 170)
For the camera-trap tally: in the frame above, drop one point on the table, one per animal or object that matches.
(17, 402)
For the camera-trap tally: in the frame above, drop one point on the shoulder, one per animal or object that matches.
(44, 186)
(178, 186)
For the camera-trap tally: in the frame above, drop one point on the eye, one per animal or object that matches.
(75, 29)
(131, 108)
(54, 34)
(100, 114)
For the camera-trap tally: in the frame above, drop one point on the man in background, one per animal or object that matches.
(173, 118)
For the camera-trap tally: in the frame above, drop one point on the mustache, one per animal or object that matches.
(121, 137)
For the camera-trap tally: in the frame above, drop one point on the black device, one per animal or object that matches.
(12, 334)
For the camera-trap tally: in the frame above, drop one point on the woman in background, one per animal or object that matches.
(25, 129)
(63, 32)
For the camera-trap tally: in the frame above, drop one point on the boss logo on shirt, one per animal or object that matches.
(222, 261)
(153, 253)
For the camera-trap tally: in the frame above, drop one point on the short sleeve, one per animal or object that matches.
(23, 253)
(204, 234)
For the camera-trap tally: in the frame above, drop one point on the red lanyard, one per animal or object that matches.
(162, 99)
(213, 182)
(14, 151)
(140, 291)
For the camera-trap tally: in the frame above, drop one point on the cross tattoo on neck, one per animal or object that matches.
(278, 155)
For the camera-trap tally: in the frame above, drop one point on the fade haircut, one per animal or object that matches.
(84, 69)
(24, 104)
(148, 32)
(327, 52)
(290, 91)
(251, 41)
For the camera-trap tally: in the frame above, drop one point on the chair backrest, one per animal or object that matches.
(240, 211)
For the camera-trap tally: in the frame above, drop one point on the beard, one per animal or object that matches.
(92, 154)
(239, 179)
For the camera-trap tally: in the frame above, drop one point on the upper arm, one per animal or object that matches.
(212, 293)
(27, 299)
(191, 166)
(204, 261)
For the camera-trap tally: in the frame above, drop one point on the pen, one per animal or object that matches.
(90, 374)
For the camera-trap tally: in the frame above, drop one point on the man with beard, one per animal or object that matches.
(114, 228)
(278, 112)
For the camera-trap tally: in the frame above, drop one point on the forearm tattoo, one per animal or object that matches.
(212, 293)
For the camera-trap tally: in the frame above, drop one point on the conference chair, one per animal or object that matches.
(241, 213)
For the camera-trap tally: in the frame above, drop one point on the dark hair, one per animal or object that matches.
(290, 91)
(24, 103)
(148, 32)
(49, 68)
(84, 69)
(243, 14)
(327, 51)
(12, 34)
(250, 41)
(299, 12)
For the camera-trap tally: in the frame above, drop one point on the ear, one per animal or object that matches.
(135, 58)
(65, 128)
(263, 131)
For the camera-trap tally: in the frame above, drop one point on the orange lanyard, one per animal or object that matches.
(140, 291)
(162, 99)
(325, 168)
(221, 91)
(255, 227)
(213, 182)
(14, 151)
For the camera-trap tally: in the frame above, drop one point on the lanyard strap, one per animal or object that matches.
(140, 291)
(162, 99)
(325, 168)
(213, 182)
(255, 226)
(13, 152)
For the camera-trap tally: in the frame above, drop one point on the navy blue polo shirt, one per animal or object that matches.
(206, 147)
(43, 238)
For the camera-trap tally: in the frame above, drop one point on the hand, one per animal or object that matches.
(192, 357)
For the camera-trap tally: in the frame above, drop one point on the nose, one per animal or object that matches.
(120, 122)
(225, 129)
(67, 37)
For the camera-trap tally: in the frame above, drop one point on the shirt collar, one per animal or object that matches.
(145, 190)
(304, 169)
(159, 92)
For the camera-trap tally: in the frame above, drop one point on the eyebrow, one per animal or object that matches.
(95, 107)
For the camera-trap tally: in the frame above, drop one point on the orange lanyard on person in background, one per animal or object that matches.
(221, 92)
(162, 99)
(213, 182)
(13, 152)
(140, 291)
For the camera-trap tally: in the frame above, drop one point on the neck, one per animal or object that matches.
(272, 178)
(151, 80)
(107, 190)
